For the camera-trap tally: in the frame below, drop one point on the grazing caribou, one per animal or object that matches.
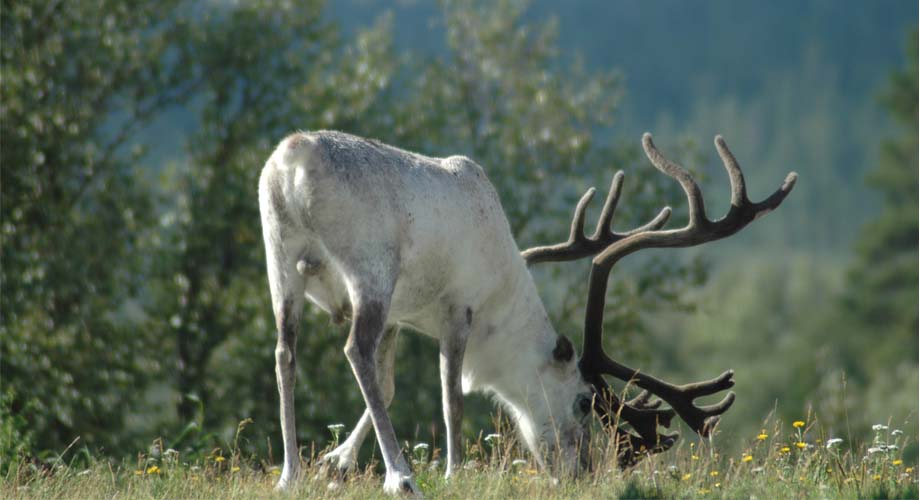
(386, 237)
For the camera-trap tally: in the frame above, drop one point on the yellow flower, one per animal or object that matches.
(276, 472)
(153, 469)
(714, 473)
(138, 472)
(762, 436)
(704, 491)
(800, 445)
(897, 462)
(686, 477)
(718, 485)
(785, 449)
(877, 477)
(747, 458)
(219, 459)
(694, 457)
(909, 470)
(234, 469)
(798, 423)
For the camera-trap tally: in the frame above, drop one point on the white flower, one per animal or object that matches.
(493, 437)
(336, 427)
(897, 432)
(876, 449)
(832, 442)
(879, 427)
(519, 462)
(421, 447)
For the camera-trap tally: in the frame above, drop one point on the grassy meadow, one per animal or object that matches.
(785, 460)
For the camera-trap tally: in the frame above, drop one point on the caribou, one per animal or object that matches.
(386, 238)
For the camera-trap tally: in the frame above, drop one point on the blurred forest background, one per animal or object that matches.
(134, 297)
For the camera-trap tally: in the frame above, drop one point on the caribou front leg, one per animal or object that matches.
(453, 346)
(344, 457)
(369, 317)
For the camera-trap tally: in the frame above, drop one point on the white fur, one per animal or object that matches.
(350, 222)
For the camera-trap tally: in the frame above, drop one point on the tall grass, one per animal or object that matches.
(784, 460)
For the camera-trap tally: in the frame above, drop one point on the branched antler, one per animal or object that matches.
(595, 363)
(643, 413)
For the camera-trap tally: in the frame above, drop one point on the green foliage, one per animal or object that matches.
(16, 438)
(79, 80)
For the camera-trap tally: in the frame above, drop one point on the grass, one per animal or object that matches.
(785, 461)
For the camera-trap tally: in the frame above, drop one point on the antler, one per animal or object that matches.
(595, 363)
(578, 245)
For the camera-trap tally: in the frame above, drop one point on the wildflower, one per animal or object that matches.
(234, 469)
(890, 447)
(420, 448)
(747, 458)
(694, 457)
(686, 477)
(718, 485)
(704, 491)
(909, 470)
(877, 477)
(276, 471)
(832, 442)
(897, 462)
(219, 458)
(153, 469)
(757, 470)
(785, 449)
(798, 424)
(876, 449)
(336, 428)
(518, 462)
(897, 432)
(139, 472)
(762, 436)
(714, 473)
(800, 445)
(493, 438)
(879, 427)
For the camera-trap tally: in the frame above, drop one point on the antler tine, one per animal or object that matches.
(739, 190)
(610, 206)
(577, 231)
(594, 362)
(671, 169)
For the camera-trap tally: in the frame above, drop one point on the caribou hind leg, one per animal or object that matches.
(369, 314)
(344, 457)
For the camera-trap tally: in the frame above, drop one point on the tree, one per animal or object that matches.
(881, 286)
(80, 79)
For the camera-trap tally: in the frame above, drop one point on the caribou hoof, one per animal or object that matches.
(401, 484)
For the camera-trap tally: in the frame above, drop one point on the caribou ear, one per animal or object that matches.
(563, 352)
